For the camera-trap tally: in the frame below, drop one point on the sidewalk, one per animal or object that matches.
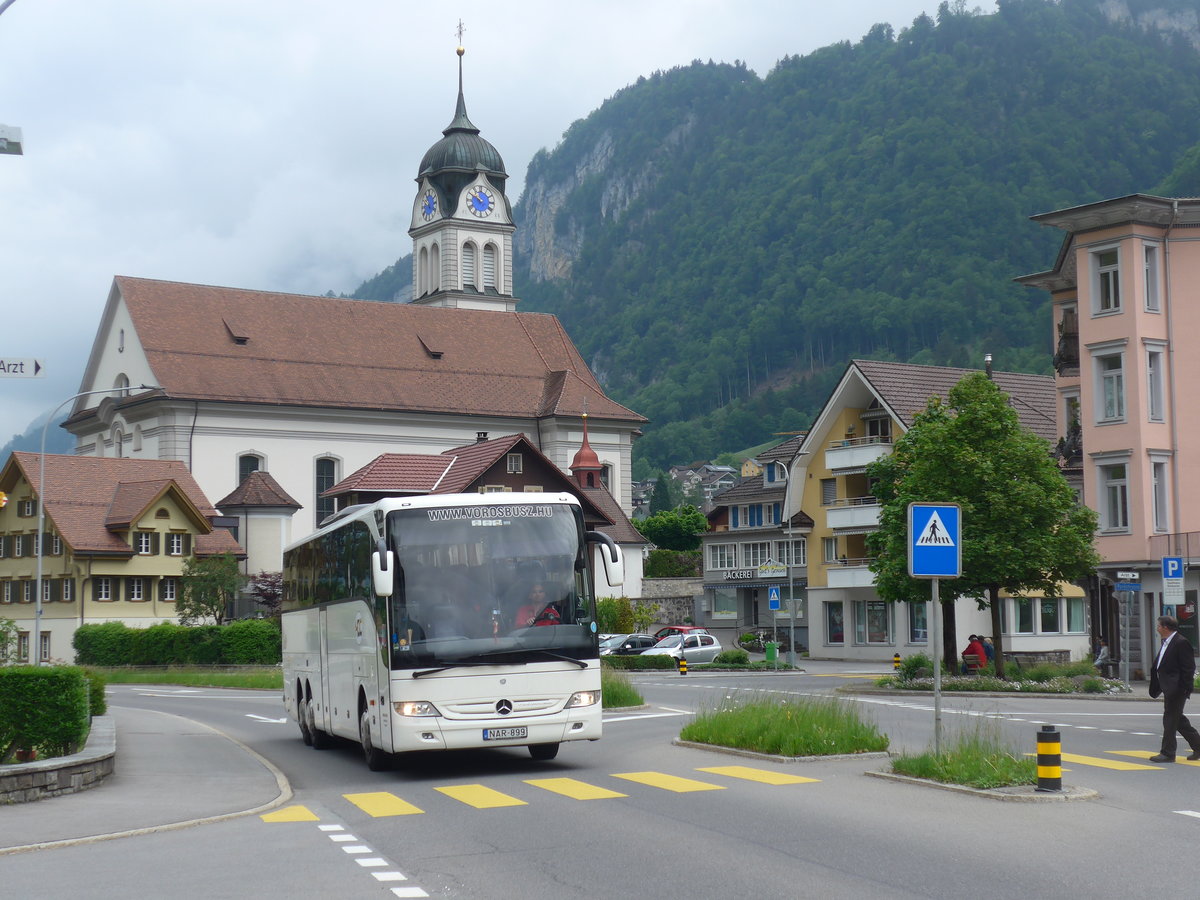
(170, 772)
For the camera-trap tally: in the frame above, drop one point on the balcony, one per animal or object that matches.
(855, 512)
(856, 453)
(1066, 355)
(849, 573)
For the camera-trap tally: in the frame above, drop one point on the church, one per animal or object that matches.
(307, 390)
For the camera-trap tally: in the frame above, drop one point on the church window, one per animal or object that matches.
(121, 385)
(326, 478)
(435, 269)
(423, 273)
(489, 266)
(468, 265)
(247, 463)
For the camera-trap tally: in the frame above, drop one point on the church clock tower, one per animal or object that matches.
(462, 221)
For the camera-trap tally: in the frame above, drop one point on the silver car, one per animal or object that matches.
(695, 648)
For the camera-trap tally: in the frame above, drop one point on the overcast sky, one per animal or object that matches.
(273, 145)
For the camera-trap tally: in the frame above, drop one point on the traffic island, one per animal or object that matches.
(1017, 792)
(36, 780)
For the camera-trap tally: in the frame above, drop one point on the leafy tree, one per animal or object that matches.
(676, 529)
(1022, 531)
(209, 586)
(660, 497)
(645, 615)
(8, 642)
(267, 589)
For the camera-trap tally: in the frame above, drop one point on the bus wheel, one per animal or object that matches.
(377, 760)
(302, 715)
(543, 751)
(320, 740)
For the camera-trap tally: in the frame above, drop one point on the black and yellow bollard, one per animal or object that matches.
(1049, 759)
(682, 666)
(896, 661)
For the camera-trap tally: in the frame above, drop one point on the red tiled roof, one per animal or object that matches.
(258, 489)
(227, 344)
(907, 388)
(410, 473)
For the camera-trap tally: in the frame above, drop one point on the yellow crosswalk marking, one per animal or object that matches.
(576, 790)
(1102, 763)
(480, 797)
(1146, 754)
(291, 814)
(762, 776)
(669, 782)
(382, 804)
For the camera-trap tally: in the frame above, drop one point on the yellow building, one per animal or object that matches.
(114, 538)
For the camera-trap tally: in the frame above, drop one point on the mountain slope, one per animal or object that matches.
(719, 245)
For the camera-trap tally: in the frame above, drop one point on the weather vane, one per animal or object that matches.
(458, 32)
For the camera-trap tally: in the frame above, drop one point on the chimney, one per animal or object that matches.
(480, 437)
(987, 364)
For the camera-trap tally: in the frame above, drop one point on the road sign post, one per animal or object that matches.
(935, 551)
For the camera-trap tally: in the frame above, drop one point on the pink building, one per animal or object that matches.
(1126, 294)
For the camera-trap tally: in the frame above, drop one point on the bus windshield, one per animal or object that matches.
(490, 583)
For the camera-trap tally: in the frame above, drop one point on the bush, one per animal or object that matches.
(638, 661)
(105, 644)
(617, 691)
(97, 701)
(792, 727)
(673, 564)
(42, 708)
(735, 657)
(911, 665)
(251, 642)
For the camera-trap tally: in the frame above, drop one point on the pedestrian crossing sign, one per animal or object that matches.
(934, 540)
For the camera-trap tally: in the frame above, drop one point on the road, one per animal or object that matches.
(633, 815)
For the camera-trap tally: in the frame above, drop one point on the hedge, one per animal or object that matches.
(640, 661)
(43, 708)
(245, 642)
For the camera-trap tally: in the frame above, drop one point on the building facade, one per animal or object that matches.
(1125, 296)
(115, 536)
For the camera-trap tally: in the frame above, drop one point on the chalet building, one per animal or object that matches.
(755, 560)
(230, 381)
(1125, 288)
(872, 405)
(115, 536)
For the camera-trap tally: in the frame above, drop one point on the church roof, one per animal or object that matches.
(461, 149)
(240, 346)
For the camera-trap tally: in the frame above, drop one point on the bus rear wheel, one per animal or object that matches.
(377, 760)
(302, 715)
(543, 751)
(320, 740)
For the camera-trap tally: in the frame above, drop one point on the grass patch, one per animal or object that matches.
(978, 759)
(616, 690)
(251, 677)
(916, 674)
(790, 727)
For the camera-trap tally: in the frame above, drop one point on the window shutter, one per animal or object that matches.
(735, 516)
(468, 265)
(187, 545)
(155, 538)
(55, 590)
(778, 509)
(489, 266)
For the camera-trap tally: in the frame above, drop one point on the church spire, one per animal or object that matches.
(461, 122)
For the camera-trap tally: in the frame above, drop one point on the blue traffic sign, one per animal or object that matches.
(934, 540)
(773, 597)
(1172, 567)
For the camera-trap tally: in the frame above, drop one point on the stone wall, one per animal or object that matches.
(675, 598)
(42, 778)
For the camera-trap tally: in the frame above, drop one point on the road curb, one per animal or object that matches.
(1022, 793)
(768, 757)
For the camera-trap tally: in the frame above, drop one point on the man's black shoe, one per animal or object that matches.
(1194, 755)
(1159, 757)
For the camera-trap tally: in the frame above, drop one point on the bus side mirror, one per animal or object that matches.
(383, 570)
(610, 554)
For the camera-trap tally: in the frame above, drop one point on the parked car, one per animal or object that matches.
(630, 645)
(695, 647)
(609, 641)
(679, 629)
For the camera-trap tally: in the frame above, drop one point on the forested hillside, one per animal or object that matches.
(719, 245)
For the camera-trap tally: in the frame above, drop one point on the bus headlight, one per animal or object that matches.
(583, 698)
(415, 708)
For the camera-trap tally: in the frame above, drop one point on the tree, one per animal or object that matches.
(8, 642)
(1022, 530)
(660, 497)
(675, 529)
(267, 589)
(209, 586)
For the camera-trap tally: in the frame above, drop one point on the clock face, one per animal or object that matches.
(429, 205)
(480, 201)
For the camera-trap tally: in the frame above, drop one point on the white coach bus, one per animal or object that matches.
(445, 622)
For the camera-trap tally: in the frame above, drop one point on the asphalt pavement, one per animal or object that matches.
(170, 772)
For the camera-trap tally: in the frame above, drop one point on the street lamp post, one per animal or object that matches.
(35, 649)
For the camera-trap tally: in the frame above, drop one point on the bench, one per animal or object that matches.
(972, 663)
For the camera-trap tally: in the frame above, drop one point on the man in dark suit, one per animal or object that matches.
(1172, 676)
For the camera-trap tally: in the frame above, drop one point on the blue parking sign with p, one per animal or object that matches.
(934, 540)
(1172, 567)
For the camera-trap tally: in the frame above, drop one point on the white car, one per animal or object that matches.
(695, 648)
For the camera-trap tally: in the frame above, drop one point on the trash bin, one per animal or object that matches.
(772, 649)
